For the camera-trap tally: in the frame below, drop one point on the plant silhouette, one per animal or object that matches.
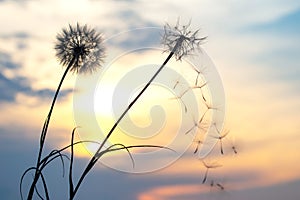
(80, 50)
(179, 41)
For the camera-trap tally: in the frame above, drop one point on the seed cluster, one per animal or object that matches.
(180, 40)
(80, 47)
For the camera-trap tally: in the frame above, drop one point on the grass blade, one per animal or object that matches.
(71, 186)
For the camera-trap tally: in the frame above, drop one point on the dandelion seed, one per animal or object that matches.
(195, 125)
(203, 97)
(220, 137)
(199, 72)
(234, 149)
(208, 108)
(180, 98)
(177, 82)
(200, 87)
(212, 183)
(209, 166)
(198, 144)
(233, 146)
(80, 48)
(180, 40)
(220, 186)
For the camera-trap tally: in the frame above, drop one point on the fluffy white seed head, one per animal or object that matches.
(81, 46)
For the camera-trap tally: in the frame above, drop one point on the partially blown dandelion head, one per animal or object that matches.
(180, 40)
(81, 48)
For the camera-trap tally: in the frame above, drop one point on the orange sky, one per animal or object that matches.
(256, 61)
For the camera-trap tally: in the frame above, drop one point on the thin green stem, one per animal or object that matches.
(44, 131)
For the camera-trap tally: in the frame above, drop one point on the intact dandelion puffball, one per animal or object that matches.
(80, 48)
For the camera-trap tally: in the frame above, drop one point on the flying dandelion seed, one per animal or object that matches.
(200, 87)
(198, 145)
(209, 166)
(177, 82)
(217, 185)
(208, 108)
(199, 72)
(195, 125)
(233, 146)
(220, 186)
(82, 47)
(175, 85)
(220, 138)
(234, 149)
(180, 98)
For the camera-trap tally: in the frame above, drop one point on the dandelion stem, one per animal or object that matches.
(95, 158)
(44, 131)
(133, 102)
(46, 123)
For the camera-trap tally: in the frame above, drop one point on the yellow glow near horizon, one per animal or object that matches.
(170, 191)
(141, 114)
(258, 68)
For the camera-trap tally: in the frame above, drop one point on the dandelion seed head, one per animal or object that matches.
(80, 46)
(181, 40)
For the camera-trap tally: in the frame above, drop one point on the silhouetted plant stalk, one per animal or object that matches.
(80, 49)
(44, 132)
(180, 41)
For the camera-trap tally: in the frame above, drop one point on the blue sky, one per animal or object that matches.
(255, 47)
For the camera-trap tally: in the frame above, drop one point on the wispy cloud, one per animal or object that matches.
(254, 44)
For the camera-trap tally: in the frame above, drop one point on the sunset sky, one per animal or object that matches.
(254, 47)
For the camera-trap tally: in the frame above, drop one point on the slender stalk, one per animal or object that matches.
(133, 102)
(44, 132)
(71, 163)
(95, 158)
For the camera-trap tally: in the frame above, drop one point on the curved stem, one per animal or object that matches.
(47, 121)
(44, 131)
(95, 157)
(133, 102)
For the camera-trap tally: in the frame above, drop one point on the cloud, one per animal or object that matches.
(255, 45)
(11, 87)
(6, 62)
(287, 190)
(283, 25)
